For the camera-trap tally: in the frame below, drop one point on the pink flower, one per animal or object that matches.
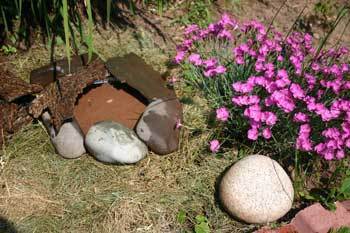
(210, 63)
(227, 21)
(297, 91)
(253, 112)
(270, 118)
(191, 28)
(300, 117)
(178, 124)
(245, 100)
(242, 87)
(220, 70)
(340, 154)
(214, 146)
(253, 134)
(304, 143)
(282, 74)
(267, 133)
(225, 34)
(222, 114)
(179, 57)
(195, 59)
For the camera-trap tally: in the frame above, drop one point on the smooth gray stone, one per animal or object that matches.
(256, 189)
(157, 125)
(112, 142)
(69, 142)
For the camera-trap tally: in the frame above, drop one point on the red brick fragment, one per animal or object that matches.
(316, 219)
(284, 229)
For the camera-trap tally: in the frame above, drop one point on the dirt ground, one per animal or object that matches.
(42, 192)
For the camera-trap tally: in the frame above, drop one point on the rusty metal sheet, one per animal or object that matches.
(12, 87)
(47, 74)
(134, 71)
(60, 103)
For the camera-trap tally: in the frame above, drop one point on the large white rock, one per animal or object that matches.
(112, 142)
(257, 190)
(69, 142)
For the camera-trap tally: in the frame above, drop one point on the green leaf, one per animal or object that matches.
(201, 218)
(345, 187)
(90, 26)
(331, 206)
(342, 230)
(64, 12)
(181, 217)
(203, 227)
(109, 3)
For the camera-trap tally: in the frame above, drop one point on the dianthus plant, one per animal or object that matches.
(272, 89)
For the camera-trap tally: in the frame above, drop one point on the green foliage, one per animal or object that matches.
(198, 13)
(64, 12)
(8, 49)
(327, 195)
(159, 4)
(341, 230)
(324, 8)
(90, 27)
(181, 217)
(202, 224)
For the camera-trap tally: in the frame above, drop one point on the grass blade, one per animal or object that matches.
(5, 20)
(90, 26)
(64, 13)
(109, 3)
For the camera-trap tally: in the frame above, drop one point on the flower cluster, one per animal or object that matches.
(276, 82)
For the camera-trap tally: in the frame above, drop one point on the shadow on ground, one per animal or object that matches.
(6, 226)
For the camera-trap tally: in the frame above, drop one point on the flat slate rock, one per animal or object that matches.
(47, 74)
(111, 142)
(157, 126)
(134, 71)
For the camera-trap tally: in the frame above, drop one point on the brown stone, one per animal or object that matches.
(158, 125)
(106, 102)
(134, 71)
(316, 219)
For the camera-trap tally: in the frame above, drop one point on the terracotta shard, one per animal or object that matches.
(13, 88)
(106, 102)
(316, 219)
(284, 229)
(134, 71)
(346, 204)
(61, 101)
(46, 74)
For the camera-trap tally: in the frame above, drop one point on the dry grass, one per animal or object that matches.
(42, 192)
